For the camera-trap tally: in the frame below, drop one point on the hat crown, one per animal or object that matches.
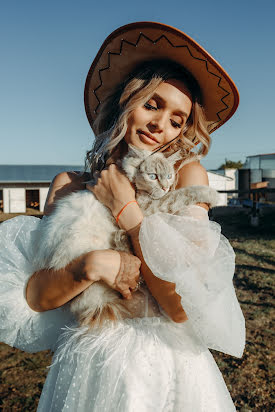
(130, 45)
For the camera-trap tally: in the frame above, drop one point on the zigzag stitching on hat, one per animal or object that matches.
(226, 105)
(154, 42)
(108, 66)
(209, 71)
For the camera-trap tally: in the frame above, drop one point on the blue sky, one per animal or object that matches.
(47, 48)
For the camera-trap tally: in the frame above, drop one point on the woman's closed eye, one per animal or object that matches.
(150, 106)
(175, 124)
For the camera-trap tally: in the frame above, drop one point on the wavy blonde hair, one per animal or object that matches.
(111, 123)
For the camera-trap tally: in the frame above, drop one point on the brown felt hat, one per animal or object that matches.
(130, 45)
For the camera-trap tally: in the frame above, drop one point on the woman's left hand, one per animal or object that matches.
(113, 189)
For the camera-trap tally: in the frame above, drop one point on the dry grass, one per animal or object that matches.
(248, 379)
(29, 212)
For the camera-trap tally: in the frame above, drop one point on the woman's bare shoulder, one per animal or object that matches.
(63, 184)
(193, 174)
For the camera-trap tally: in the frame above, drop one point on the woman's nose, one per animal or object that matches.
(157, 123)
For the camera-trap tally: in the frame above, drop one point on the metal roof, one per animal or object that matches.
(215, 172)
(264, 154)
(33, 173)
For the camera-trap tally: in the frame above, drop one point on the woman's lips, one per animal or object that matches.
(146, 137)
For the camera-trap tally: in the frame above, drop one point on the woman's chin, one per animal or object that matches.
(143, 142)
(144, 146)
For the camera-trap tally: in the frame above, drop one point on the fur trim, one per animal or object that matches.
(201, 194)
(174, 201)
(80, 224)
(97, 304)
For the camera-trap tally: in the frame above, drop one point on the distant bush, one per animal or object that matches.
(230, 164)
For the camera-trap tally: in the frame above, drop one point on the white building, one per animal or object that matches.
(23, 186)
(26, 186)
(233, 181)
(221, 182)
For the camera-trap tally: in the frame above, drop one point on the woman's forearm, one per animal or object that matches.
(164, 292)
(48, 288)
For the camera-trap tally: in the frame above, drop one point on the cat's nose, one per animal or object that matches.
(165, 188)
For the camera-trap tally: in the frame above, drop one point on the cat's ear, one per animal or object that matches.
(134, 151)
(130, 165)
(175, 157)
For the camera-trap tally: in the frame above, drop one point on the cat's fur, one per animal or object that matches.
(80, 224)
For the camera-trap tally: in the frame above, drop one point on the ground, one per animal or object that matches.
(248, 379)
(29, 212)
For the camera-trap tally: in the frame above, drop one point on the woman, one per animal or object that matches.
(158, 358)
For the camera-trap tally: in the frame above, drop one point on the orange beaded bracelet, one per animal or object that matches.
(118, 216)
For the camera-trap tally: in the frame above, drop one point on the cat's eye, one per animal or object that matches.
(169, 176)
(152, 176)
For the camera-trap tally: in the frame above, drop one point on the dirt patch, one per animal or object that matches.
(22, 376)
(249, 379)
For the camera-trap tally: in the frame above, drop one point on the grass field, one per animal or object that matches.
(248, 379)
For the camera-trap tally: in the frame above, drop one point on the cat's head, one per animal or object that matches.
(151, 173)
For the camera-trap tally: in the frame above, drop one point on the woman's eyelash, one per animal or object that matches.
(175, 124)
(150, 107)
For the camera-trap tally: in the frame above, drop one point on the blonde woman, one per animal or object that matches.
(153, 87)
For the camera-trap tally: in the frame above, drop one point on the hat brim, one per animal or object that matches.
(130, 45)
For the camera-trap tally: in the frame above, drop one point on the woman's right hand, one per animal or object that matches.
(114, 190)
(110, 266)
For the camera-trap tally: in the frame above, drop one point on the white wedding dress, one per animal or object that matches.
(146, 363)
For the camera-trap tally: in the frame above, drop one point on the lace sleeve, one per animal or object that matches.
(190, 251)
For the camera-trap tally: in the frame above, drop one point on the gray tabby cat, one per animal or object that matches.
(80, 224)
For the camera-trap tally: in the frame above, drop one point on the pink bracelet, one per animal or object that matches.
(118, 216)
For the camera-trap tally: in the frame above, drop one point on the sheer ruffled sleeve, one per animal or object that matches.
(20, 326)
(190, 251)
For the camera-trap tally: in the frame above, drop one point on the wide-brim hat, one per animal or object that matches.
(130, 45)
